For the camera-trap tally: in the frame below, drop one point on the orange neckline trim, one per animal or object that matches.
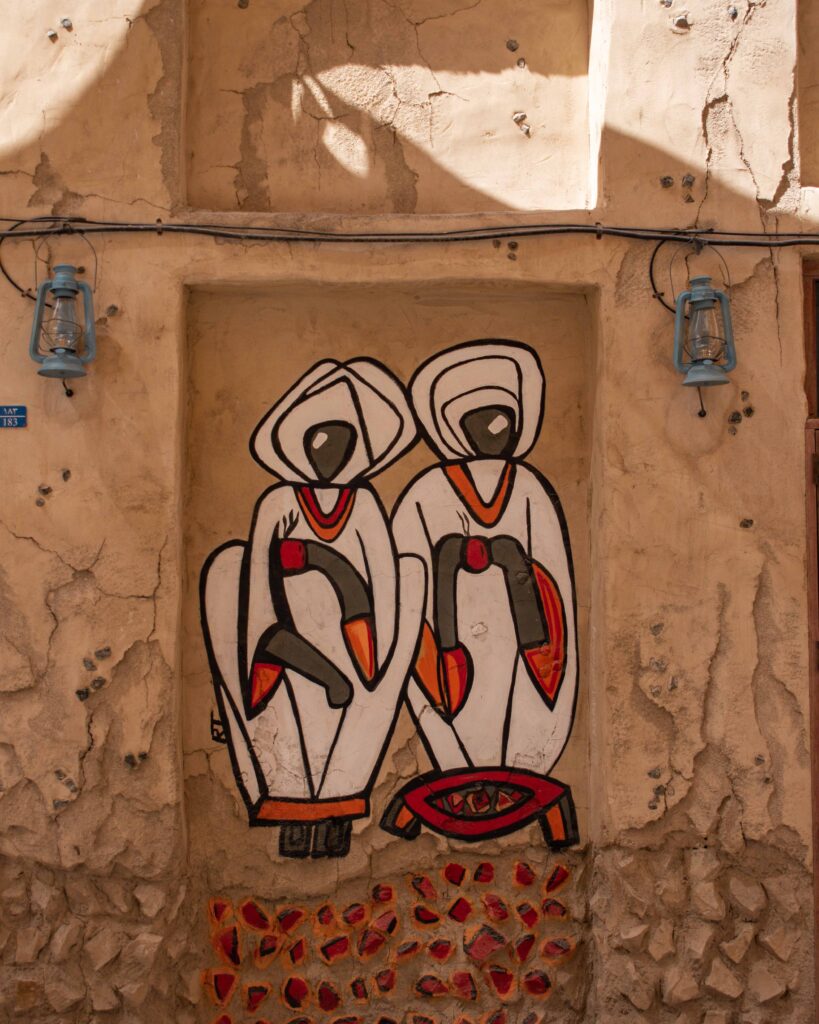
(463, 485)
(331, 527)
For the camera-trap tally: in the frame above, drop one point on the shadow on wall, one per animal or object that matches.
(378, 109)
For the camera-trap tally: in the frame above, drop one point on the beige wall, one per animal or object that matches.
(697, 781)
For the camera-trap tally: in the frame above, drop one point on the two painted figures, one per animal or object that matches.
(330, 616)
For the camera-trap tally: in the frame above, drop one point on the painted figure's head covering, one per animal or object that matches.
(473, 376)
(360, 393)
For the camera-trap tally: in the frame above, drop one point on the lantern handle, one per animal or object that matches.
(36, 327)
(679, 330)
(90, 338)
(730, 352)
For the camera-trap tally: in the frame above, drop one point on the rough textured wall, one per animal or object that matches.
(697, 868)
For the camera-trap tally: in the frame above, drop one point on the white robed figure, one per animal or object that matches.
(311, 624)
(494, 684)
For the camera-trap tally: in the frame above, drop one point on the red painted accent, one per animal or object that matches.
(557, 878)
(335, 948)
(502, 979)
(460, 910)
(370, 942)
(463, 985)
(494, 906)
(546, 662)
(484, 872)
(328, 998)
(289, 918)
(485, 942)
(292, 555)
(524, 875)
(422, 885)
(385, 980)
(537, 983)
(440, 950)
(354, 914)
(523, 948)
(253, 916)
(295, 992)
(423, 915)
(476, 554)
(326, 519)
(537, 793)
(454, 681)
(527, 914)
(454, 873)
(264, 678)
(429, 985)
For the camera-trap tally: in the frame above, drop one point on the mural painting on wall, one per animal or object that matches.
(328, 617)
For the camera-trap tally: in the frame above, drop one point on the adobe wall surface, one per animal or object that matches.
(689, 895)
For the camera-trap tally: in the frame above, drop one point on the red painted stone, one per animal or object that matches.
(325, 915)
(289, 918)
(557, 949)
(386, 922)
(354, 914)
(253, 916)
(335, 948)
(424, 887)
(386, 1020)
(268, 947)
(256, 994)
(537, 983)
(224, 983)
(370, 942)
(227, 945)
(383, 894)
(352, 1019)
(423, 915)
(454, 873)
(484, 872)
(220, 910)
(328, 998)
(295, 992)
(485, 942)
(557, 878)
(430, 986)
(298, 952)
(463, 985)
(440, 949)
(460, 910)
(494, 906)
(407, 949)
(297, 1020)
(527, 914)
(524, 875)
(523, 948)
(385, 980)
(553, 908)
(502, 979)
(224, 1019)
(358, 987)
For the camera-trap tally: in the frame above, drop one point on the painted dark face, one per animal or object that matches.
(328, 447)
(491, 431)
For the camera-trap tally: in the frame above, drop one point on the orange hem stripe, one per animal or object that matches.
(312, 810)
(487, 514)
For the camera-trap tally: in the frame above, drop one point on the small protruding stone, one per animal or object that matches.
(698, 939)
(762, 985)
(512, 45)
(151, 898)
(102, 653)
(141, 952)
(667, 181)
(688, 180)
(65, 939)
(66, 475)
(736, 948)
(632, 935)
(679, 985)
(636, 987)
(30, 941)
(747, 895)
(707, 901)
(778, 940)
(103, 947)
(716, 1017)
(722, 981)
(784, 892)
(703, 864)
(88, 664)
(103, 996)
(661, 943)
(64, 989)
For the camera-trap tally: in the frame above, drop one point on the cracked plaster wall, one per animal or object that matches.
(694, 886)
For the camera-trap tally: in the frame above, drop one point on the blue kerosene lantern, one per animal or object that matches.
(704, 349)
(59, 341)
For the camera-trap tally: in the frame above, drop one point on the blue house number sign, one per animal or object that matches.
(13, 416)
